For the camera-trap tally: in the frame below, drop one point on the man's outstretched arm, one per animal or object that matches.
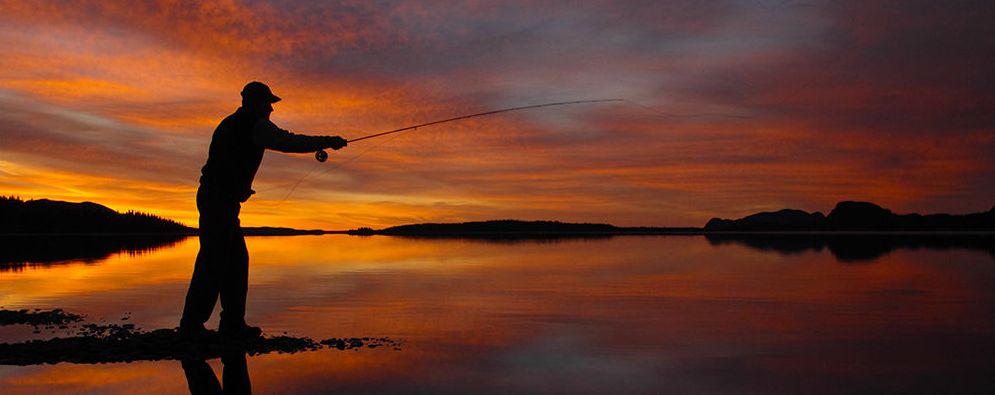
(268, 135)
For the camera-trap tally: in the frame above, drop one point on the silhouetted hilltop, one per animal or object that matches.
(787, 219)
(855, 216)
(56, 217)
(863, 215)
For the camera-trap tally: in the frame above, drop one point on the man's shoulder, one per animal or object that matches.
(237, 120)
(239, 115)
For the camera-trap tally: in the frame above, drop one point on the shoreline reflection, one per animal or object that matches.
(18, 253)
(855, 247)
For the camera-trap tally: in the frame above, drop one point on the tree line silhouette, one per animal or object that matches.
(44, 216)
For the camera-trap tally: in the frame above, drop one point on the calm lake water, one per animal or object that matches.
(624, 315)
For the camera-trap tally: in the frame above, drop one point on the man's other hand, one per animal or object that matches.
(335, 142)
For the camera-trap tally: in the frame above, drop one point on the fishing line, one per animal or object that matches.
(333, 166)
(294, 187)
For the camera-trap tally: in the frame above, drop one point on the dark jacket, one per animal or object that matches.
(237, 150)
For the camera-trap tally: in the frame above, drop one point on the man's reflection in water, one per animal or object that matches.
(202, 381)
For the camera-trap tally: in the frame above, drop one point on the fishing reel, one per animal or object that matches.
(321, 156)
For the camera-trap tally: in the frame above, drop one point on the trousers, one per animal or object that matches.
(222, 265)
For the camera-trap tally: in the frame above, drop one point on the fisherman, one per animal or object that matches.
(222, 265)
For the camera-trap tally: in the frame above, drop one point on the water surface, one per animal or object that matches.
(623, 315)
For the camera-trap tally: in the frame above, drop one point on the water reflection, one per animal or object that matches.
(626, 315)
(20, 252)
(512, 238)
(201, 379)
(846, 247)
(855, 247)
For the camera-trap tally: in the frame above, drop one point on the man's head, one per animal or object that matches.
(258, 98)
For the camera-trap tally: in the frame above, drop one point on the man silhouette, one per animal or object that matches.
(222, 266)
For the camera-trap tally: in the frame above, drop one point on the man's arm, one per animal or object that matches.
(268, 135)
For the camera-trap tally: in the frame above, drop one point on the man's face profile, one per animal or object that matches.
(262, 109)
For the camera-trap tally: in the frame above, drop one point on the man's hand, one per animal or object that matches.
(335, 142)
(246, 195)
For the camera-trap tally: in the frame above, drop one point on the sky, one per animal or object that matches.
(730, 107)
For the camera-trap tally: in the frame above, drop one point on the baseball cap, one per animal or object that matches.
(258, 91)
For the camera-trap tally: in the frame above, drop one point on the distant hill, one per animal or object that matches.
(45, 216)
(854, 216)
(787, 219)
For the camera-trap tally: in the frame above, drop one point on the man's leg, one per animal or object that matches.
(234, 283)
(218, 220)
(203, 291)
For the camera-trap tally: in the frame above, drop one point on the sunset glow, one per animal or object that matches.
(731, 107)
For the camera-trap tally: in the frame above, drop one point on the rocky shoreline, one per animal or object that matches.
(97, 343)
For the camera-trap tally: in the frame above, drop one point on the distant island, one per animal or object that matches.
(515, 228)
(850, 216)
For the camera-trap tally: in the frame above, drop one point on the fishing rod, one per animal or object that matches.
(322, 156)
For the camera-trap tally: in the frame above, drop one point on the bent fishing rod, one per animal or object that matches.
(322, 156)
